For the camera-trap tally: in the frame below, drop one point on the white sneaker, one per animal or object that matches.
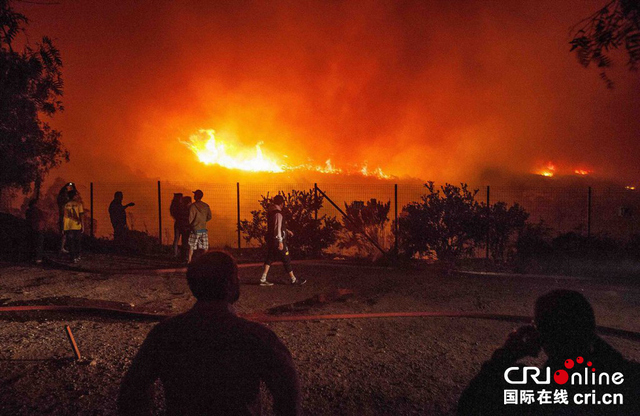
(265, 283)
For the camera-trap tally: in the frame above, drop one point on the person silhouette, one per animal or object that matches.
(73, 224)
(183, 226)
(62, 199)
(210, 361)
(564, 328)
(118, 215)
(36, 219)
(276, 239)
(174, 210)
(199, 215)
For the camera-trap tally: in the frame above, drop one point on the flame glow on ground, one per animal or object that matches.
(212, 151)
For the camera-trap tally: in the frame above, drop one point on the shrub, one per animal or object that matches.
(15, 238)
(534, 241)
(499, 224)
(310, 235)
(633, 247)
(371, 218)
(578, 246)
(446, 222)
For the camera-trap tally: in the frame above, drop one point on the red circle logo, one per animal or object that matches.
(569, 363)
(560, 377)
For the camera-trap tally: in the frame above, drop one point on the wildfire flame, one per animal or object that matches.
(212, 151)
(548, 171)
(551, 169)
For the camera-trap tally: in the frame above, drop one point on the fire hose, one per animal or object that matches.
(265, 318)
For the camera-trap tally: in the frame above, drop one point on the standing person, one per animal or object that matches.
(276, 239)
(183, 226)
(199, 215)
(73, 224)
(63, 198)
(36, 219)
(118, 215)
(174, 210)
(210, 361)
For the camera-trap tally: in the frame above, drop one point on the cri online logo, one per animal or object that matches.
(561, 376)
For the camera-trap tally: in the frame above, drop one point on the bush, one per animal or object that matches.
(15, 238)
(574, 245)
(310, 235)
(499, 223)
(446, 223)
(632, 248)
(534, 241)
(371, 218)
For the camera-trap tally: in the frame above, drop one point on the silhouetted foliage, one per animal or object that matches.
(578, 246)
(30, 86)
(446, 222)
(614, 26)
(501, 222)
(371, 218)
(310, 236)
(534, 241)
(633, 247)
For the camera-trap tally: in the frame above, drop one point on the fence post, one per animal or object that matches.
(589, 214)
(91, 207)
(488, 229)
(159, 214)
(238, 206)
(395, 199)
(315, 193)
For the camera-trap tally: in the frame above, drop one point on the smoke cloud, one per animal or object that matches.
(444, 90)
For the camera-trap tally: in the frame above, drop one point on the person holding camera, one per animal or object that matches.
(564, 328)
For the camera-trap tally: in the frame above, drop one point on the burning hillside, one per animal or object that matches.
(213, 151)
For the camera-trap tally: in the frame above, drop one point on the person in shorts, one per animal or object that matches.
(199, 215)
(276, 239)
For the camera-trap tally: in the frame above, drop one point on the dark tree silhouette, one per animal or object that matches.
(615, 26)
(30, 86)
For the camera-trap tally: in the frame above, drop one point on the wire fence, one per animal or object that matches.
(585, 210)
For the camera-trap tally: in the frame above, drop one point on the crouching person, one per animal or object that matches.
(209, 360)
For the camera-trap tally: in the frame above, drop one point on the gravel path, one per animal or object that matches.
(364, 367)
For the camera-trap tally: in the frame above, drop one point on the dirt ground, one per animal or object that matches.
(379, 366)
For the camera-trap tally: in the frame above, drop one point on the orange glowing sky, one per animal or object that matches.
(428, 89)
